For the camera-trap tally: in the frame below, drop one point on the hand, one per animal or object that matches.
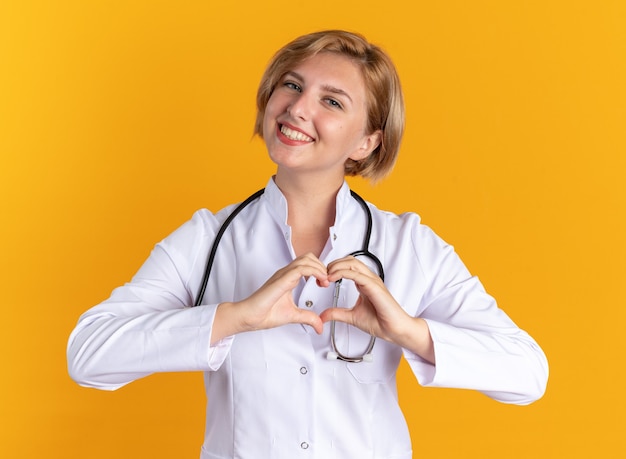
(272, 304)
(376, 311)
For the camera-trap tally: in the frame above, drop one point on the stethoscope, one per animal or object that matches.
(334, 354)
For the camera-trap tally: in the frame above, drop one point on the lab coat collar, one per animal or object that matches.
(277, 204)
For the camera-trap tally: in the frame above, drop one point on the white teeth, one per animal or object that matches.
(294, 135)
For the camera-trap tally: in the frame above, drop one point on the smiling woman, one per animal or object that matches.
(310, 109)
(329, 105)
(384, 103)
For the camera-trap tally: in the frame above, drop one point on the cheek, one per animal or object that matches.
(277, 101)
(264, 124)
(273, 108)
(344, 133)
(269, 117)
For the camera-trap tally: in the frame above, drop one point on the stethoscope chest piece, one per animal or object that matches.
(367, 356)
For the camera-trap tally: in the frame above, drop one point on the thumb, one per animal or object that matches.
(310, 318)
(338, 314)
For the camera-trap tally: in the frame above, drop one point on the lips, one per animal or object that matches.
(294, 135)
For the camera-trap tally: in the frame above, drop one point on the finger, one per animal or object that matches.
(322, 282)
(345, 261)
(360, 275)
(292, 273)
(348, 264)
(307, 262)
(308, 259)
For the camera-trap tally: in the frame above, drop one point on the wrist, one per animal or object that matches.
(415, 337)
(227, 321)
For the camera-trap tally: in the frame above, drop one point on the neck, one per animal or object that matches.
(316, 193)
(312, 208)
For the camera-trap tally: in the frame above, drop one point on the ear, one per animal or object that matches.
(369, 143)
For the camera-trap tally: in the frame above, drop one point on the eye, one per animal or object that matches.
(333, 103)
(292, 85)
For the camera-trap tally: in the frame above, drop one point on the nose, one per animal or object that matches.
(301, 106)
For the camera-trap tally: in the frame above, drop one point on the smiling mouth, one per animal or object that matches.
(294, 135)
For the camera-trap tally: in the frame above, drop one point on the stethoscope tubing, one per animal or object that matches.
(335, 354)
(216, 241)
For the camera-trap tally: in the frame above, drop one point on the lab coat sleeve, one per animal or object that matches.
(477, 346)
(147, 326)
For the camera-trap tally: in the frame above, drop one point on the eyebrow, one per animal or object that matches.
(325, 87)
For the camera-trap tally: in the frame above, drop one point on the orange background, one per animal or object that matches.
(118, 119)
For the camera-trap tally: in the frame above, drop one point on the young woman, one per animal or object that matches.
(284, 326)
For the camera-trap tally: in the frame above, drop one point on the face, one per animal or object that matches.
(316, 117)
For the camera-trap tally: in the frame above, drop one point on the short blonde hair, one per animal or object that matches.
(385, 102)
